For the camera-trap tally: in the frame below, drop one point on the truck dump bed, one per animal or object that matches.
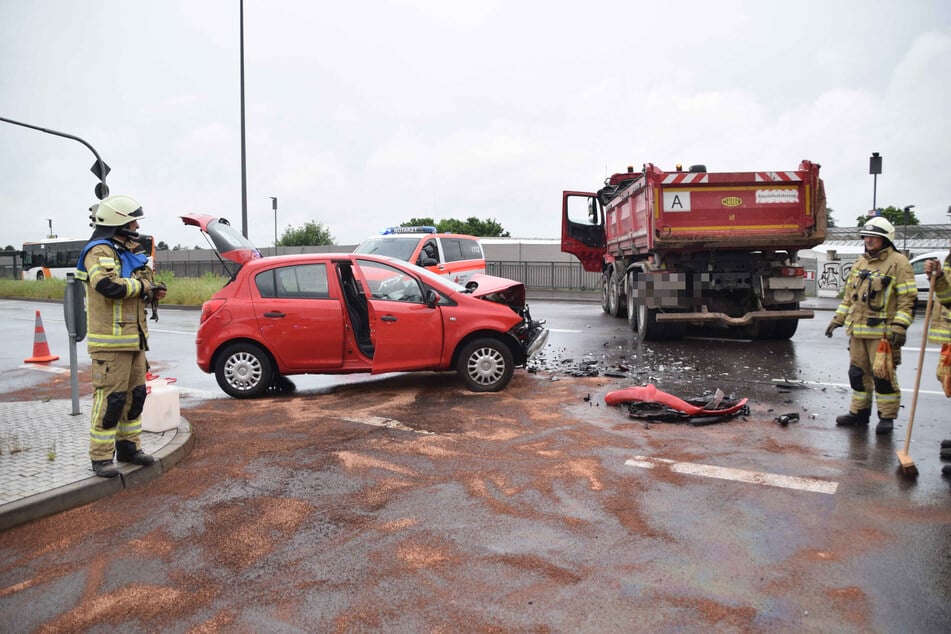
(698, 210)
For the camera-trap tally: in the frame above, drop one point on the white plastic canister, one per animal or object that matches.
(162, 410)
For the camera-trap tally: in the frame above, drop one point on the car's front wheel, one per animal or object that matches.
(244, 370)
(485, 365)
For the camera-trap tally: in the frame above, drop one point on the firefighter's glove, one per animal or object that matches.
(832, 326)
(897, 337)
(152, 292)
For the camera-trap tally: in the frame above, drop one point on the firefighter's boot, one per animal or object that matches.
(126, 451)
(104, 468)
(885, 426)
(858, 419)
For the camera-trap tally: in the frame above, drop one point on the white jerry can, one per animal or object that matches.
(162, 410)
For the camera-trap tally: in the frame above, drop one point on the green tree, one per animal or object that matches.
(312, 234)
(894, 215)
(9, 247)
(488, 228)
(161, 246)
(830, 221)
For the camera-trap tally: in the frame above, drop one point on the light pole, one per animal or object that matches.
(99, 169)
(274, 207)
(875, 168)
(907, 218)
(50, 221)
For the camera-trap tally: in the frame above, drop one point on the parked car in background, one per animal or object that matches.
(921, 280)
(342, 313)
(454, 256)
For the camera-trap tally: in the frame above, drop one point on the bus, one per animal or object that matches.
(54, 258)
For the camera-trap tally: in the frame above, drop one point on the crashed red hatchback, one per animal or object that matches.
(342, 313)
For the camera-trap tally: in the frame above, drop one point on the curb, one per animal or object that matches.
(94, 488)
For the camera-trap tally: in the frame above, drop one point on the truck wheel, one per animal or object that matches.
(244, 370)
(604, 294)
(785, 328)
(631, 307)
(616, 307)
(485, 365)
(648, 328)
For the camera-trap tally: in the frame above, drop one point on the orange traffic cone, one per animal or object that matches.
(41, 349)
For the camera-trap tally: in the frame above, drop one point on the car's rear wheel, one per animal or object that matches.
(244, 370)
(485, 365)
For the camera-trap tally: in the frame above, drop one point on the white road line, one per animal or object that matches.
(561, 330)
(798, 383)
(738, 475)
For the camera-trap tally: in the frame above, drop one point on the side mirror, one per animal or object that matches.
(432, 298)
(593, 211)
(426, 261)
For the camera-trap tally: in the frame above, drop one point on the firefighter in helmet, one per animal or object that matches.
(878, 302)
(120, 284)
(940, 333)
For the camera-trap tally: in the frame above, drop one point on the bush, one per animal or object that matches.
(181, 291)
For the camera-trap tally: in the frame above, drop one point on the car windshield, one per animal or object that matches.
(431, 279)
(399, 247)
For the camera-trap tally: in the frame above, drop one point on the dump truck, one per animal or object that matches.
(692, 248)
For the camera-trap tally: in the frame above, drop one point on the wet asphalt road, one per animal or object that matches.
(406, 503)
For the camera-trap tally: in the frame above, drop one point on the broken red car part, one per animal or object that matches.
(649, 402)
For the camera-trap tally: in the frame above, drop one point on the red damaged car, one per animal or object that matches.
(341, 313)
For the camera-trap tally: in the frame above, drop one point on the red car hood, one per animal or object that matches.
(228, 241)
(497, 289)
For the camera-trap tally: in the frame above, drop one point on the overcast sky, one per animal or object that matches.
(361, 115)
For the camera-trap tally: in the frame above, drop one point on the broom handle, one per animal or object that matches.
(921, 361)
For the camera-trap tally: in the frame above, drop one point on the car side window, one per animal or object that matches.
(303, 281)
(457, 249)
(390, 283)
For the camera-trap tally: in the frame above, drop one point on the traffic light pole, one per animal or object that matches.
(99, 168)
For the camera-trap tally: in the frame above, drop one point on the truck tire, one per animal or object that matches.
(604, 293)
(631, 305)
(785, 328)
(616, 306)
(648, 328)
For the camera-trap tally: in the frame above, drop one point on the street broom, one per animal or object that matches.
(908, 468)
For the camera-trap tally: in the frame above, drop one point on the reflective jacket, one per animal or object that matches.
(879, 295)
(940, 330)
(115, 307)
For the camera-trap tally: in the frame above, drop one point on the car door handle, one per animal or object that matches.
(275, 313)
(387, 318)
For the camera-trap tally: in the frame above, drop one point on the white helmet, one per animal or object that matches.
(115, 211)
(880, 228)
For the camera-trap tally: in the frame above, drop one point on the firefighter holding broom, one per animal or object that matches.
(940, 333)
(876, 310)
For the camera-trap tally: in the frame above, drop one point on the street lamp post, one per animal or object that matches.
(875, 168)
(50, 235)
(274, 207)
(907, 219)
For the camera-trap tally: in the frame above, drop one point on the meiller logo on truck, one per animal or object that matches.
(699, 248)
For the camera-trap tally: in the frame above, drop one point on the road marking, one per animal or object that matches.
(797, 383)
(562, 330)
(738, 475)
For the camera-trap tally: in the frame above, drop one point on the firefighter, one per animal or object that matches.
(878, 302)
(120, 284)
(940, 331)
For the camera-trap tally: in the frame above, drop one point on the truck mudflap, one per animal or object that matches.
(726, 320)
